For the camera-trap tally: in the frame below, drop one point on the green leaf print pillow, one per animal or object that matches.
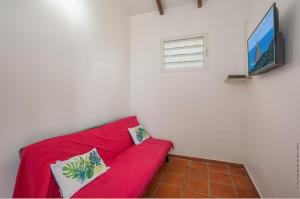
(138, 134)
(73, 174)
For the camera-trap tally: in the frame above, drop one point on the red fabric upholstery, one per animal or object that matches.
(132, 166)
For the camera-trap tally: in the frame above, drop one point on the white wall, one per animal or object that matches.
(64, 66)
(255, 123)
(198, 111)
(274, 110)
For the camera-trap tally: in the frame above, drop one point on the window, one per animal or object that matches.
(184, 53)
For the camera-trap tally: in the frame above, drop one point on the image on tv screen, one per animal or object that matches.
(261, 44)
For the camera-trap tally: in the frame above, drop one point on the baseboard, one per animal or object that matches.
(206, 160)
(254, 184)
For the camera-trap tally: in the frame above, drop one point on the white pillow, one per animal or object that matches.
(73, 174)
(138, 134)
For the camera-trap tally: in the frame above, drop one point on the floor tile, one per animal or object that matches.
(198, 173)
(177, 170)
(218, 168)
(181, 162)
(242, 182)
(192, 194)
(199, 186)
(147, 196)
(163, 167)
(173, 180)
(247, 193)
(198, 179)
(165, 191)
(222, 191)
(238, 171)
(157, 178)
(199, 164)
(151, 190)
(220, 178)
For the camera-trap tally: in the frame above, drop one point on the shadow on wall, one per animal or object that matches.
(287, 26)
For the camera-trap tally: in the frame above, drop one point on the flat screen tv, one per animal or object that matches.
(266, 45)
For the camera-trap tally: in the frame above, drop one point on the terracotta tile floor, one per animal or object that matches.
(181, 178)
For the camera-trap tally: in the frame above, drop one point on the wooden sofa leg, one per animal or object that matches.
(167, 158)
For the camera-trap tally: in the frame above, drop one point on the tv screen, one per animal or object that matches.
(262, 44)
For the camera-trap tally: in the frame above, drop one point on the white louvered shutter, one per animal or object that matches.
(184, 53)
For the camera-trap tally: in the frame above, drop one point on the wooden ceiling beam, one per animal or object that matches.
(160, 7)
(199, 3)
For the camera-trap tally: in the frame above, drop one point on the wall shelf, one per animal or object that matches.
(237, 78)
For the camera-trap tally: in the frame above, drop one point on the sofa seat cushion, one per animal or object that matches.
(130, 172)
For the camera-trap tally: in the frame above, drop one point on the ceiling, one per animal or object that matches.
(141, 6)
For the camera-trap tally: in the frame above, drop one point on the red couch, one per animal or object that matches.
(132, 167)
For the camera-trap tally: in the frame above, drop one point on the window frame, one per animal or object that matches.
(187, 69)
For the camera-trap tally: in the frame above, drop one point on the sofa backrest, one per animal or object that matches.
(109, 139)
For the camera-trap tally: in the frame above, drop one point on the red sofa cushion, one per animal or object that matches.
(111, 140)
(130, 172)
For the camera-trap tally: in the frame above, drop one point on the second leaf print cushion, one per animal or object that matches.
(138, 134)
